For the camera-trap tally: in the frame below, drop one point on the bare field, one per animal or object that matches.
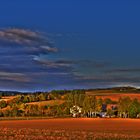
(114, 96)
(78, 128)
(117, 96)
(7, 98)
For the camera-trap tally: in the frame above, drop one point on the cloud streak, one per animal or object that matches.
(33, 42)
(124, 70)
(18, 77)
(18, 49)
(54, 63)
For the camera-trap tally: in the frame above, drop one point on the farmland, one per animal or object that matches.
(115, 96)
(78, 128)
(51, 103)
(7, 98)
(42, 116)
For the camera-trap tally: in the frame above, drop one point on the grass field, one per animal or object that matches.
(71, 129)
(51, 102)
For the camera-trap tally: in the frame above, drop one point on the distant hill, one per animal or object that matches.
(127, 89)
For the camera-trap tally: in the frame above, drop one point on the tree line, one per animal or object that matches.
(91, 106)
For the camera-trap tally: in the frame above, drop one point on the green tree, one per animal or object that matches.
(124, 106)
(134, 108)
(3, 104)
(90, 103)
(0, 95)
(99, 104)
(41, 97)
(108, 101)
(86, 104)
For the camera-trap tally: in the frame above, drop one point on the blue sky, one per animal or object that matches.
(53, 44)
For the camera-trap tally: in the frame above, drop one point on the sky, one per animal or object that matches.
(69, 44)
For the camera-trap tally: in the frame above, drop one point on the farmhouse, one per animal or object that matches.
(106, 111)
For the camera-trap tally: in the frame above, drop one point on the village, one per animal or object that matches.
(107, 111)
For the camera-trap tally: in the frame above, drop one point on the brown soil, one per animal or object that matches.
(117, 96)
(77, 123)
(119, 128)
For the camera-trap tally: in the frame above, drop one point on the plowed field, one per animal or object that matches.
(78, 128)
